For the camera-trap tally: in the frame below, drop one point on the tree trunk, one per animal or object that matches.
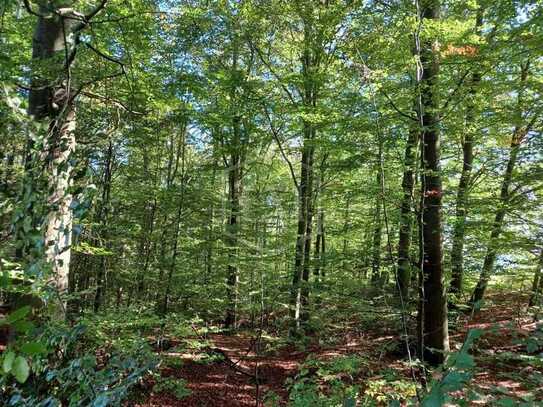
(457, 252)
(232, 229)
(178, 219)
(234, 192)
(304, 197)
(377, 232)
(435, 338)
(51, 99)
(102, 217)
(406, 215)
(304, 295)
(497, 226)
(300, 280)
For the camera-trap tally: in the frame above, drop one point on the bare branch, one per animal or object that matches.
(28, 8)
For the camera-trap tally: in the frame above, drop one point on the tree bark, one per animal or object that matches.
(435, 338)
(300, 280)
(406, 215)
(51, 100)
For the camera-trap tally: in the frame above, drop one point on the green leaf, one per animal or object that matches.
(18, 315)
(33, 348)
(23, 326)
(464, 361)
(8, 361)
(506, 402)
(436, 397)
(20, 369)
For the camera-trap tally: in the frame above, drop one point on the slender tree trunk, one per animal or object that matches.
(497, 226)
(304, 295)
(304, 196)
(457, 253)
(434, 302)
(210, 232)
(234, 192)
(103, 214)
(232, 235)
(178, 219)
(406, 215)
(147, 226)
(377, 232)
(319, 246)
(300, 280)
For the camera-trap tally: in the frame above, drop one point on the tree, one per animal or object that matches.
(51, 101)
(521, 130)
(457, 251)
(434, 341)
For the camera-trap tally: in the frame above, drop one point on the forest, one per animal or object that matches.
(271, 203)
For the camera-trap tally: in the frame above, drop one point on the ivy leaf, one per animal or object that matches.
(20, 369)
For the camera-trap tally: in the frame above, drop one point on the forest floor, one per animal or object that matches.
(504, 372)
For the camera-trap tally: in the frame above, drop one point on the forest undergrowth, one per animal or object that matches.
(359, 359)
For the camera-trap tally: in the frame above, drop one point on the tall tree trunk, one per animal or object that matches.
(435, 337)
(147, 224)
(304, 294)
(163, 307)
(304, 197)
(406, 215)
(103, 214)
(377, 235)
(50, 99)
(497, 226)
(320, 247)
(232, 230)
(300, 280)
(457, 252)
(234, 192)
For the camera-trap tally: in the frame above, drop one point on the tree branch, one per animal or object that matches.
(283, 154)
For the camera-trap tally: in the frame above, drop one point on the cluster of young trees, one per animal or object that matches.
(236, 158)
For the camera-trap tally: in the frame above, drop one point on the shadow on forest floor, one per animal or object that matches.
(503, 357)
